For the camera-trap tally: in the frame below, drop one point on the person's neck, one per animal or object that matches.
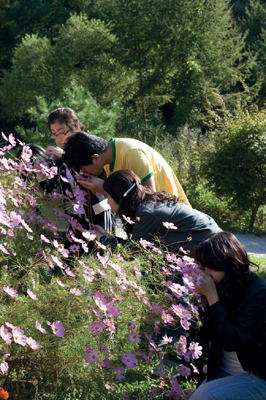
(108, 155)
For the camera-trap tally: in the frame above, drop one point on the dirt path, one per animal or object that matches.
(254, 244)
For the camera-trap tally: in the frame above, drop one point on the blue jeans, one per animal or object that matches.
(232, 387)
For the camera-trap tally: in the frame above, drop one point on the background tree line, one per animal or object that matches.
(143, 69)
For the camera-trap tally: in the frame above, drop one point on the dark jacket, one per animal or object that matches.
(149, 220)
(243, 332)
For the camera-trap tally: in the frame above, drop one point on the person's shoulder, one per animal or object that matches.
(255, 283)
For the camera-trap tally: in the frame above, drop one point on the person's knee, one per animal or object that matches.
(204, 392)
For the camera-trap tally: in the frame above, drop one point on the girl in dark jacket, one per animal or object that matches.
(234, 321)
(153, 215)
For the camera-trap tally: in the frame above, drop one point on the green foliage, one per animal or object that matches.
(81, 54)
(236, 167)
(97, 120)
(178, 49)
(32, 75)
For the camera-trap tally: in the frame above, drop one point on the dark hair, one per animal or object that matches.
(38, 153)
(118, 183)
(222, 251)
(80, 147)
(66, 116)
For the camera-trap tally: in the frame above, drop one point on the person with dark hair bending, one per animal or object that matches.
(92, 154)
(61, 123)
(234, 321)
(153, 213)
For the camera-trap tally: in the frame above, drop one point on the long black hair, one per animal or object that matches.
(125, 187)
(222, 251)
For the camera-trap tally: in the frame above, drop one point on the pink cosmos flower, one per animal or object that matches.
(119, 373)
(14, 219)
(89, 236)
(204, 369)
(130, 325)
(146, 243)
(75, 291)
(44, 238)
(153, 391)
(10, 233)
(167, 318)
(110, 324)
(107, 363)
(91, 358)
(137, 270)
(10, 291)
(5, 335)
(195, 350)
(20, 182)
(128, 220)
(129, 360)
(111, 310)
(105, 348)
(10, 325)
(32, 343)
(167, 339)
(32, 295)
(38, 325)
(183, 370)
(26, 226)
(69, 272)
(58, 328)
(57, 261)
(4, 364)
(96, 312)
(97, 327)
(169, 225)
(4, 250)
(134, 337)
(88, 274)
(156, 309)
(74, 248)
(12, 140)
(60, 283)
(19, 337)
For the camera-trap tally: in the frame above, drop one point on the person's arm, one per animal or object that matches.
(234, 336)
(150, 183)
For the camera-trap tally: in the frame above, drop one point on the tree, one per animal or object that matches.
(236, 167)
(81, 53)
(177, 49)
(96, 119)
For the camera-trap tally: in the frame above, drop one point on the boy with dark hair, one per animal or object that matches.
(92, 154)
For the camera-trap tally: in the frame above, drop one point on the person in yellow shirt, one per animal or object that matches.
(91, 154)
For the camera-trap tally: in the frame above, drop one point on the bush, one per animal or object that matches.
(80, 325)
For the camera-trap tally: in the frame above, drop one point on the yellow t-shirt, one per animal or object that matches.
(145, 162)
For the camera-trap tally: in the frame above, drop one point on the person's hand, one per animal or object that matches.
(98, 228)
(92, 183)
(56, 152)
(207, 288)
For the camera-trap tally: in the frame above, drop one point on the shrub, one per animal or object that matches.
(80, 324)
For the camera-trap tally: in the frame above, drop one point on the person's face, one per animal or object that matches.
(60, 132)
(113, 204)
(95, 169)
(217, 276)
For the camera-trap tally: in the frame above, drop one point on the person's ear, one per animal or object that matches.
(96, 158)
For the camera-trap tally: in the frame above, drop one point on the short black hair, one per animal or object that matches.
(80, 147)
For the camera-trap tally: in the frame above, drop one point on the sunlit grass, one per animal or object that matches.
(261, 262)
